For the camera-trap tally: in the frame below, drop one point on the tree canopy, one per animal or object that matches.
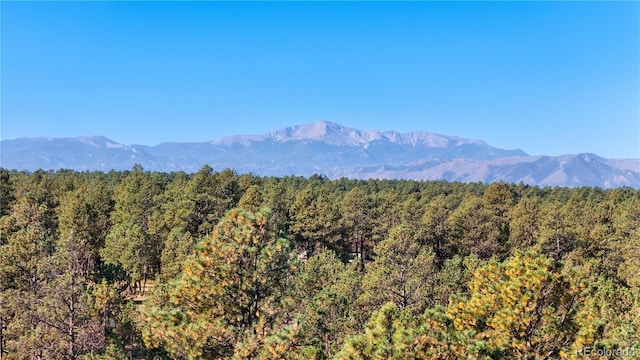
(219, 265)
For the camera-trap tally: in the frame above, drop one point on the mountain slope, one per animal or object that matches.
(330, 149)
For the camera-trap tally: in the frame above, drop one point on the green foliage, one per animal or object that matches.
(324, 291)
(356, 207)
(476, 228)
(403, 272)
(130, 242)
(84, 217)
(524, 224)
(6, 192)
(523, 308)
(383, 268)
(435, 230)
(251, 200)
(315, 221)
(29, 238)
(227, 293)
(387, 335)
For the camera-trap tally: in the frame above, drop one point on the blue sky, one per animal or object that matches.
(548, 77)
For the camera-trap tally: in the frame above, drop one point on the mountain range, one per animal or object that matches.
(329, 149)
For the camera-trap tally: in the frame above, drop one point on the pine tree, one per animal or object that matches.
(316, 221)
(435, 229)
(227, 296)
(403, 272)
(387, 335)
(356, 207)
(251, 200)
(29, 243)
(130, 243)
(523, 308)
(475, 228)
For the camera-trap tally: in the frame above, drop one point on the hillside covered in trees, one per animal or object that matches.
(216, 265)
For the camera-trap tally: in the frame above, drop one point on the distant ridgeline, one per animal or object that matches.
(332, 150)
(245, 266)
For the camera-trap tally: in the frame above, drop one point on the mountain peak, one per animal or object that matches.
(325, 147)
(97, 141)
(326, 131)
(335, 134)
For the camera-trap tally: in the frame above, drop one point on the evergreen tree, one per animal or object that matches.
(227, 296)
(322, 301)
(476, 229)
(316, 222)
(355, 213)
(403, 273)
(387, 335)
(435, 228)
(524, 224)
(385, 211)
(6, 192)
(251, 200)
(29, 242)
(524, 308)
(84, 215)
(555, 236)
(176, 221)
(130, 243)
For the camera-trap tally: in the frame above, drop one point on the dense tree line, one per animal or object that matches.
(310, 268)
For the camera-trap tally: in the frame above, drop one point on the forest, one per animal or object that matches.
(219, 265)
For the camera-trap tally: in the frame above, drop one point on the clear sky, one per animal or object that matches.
(548, 77)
